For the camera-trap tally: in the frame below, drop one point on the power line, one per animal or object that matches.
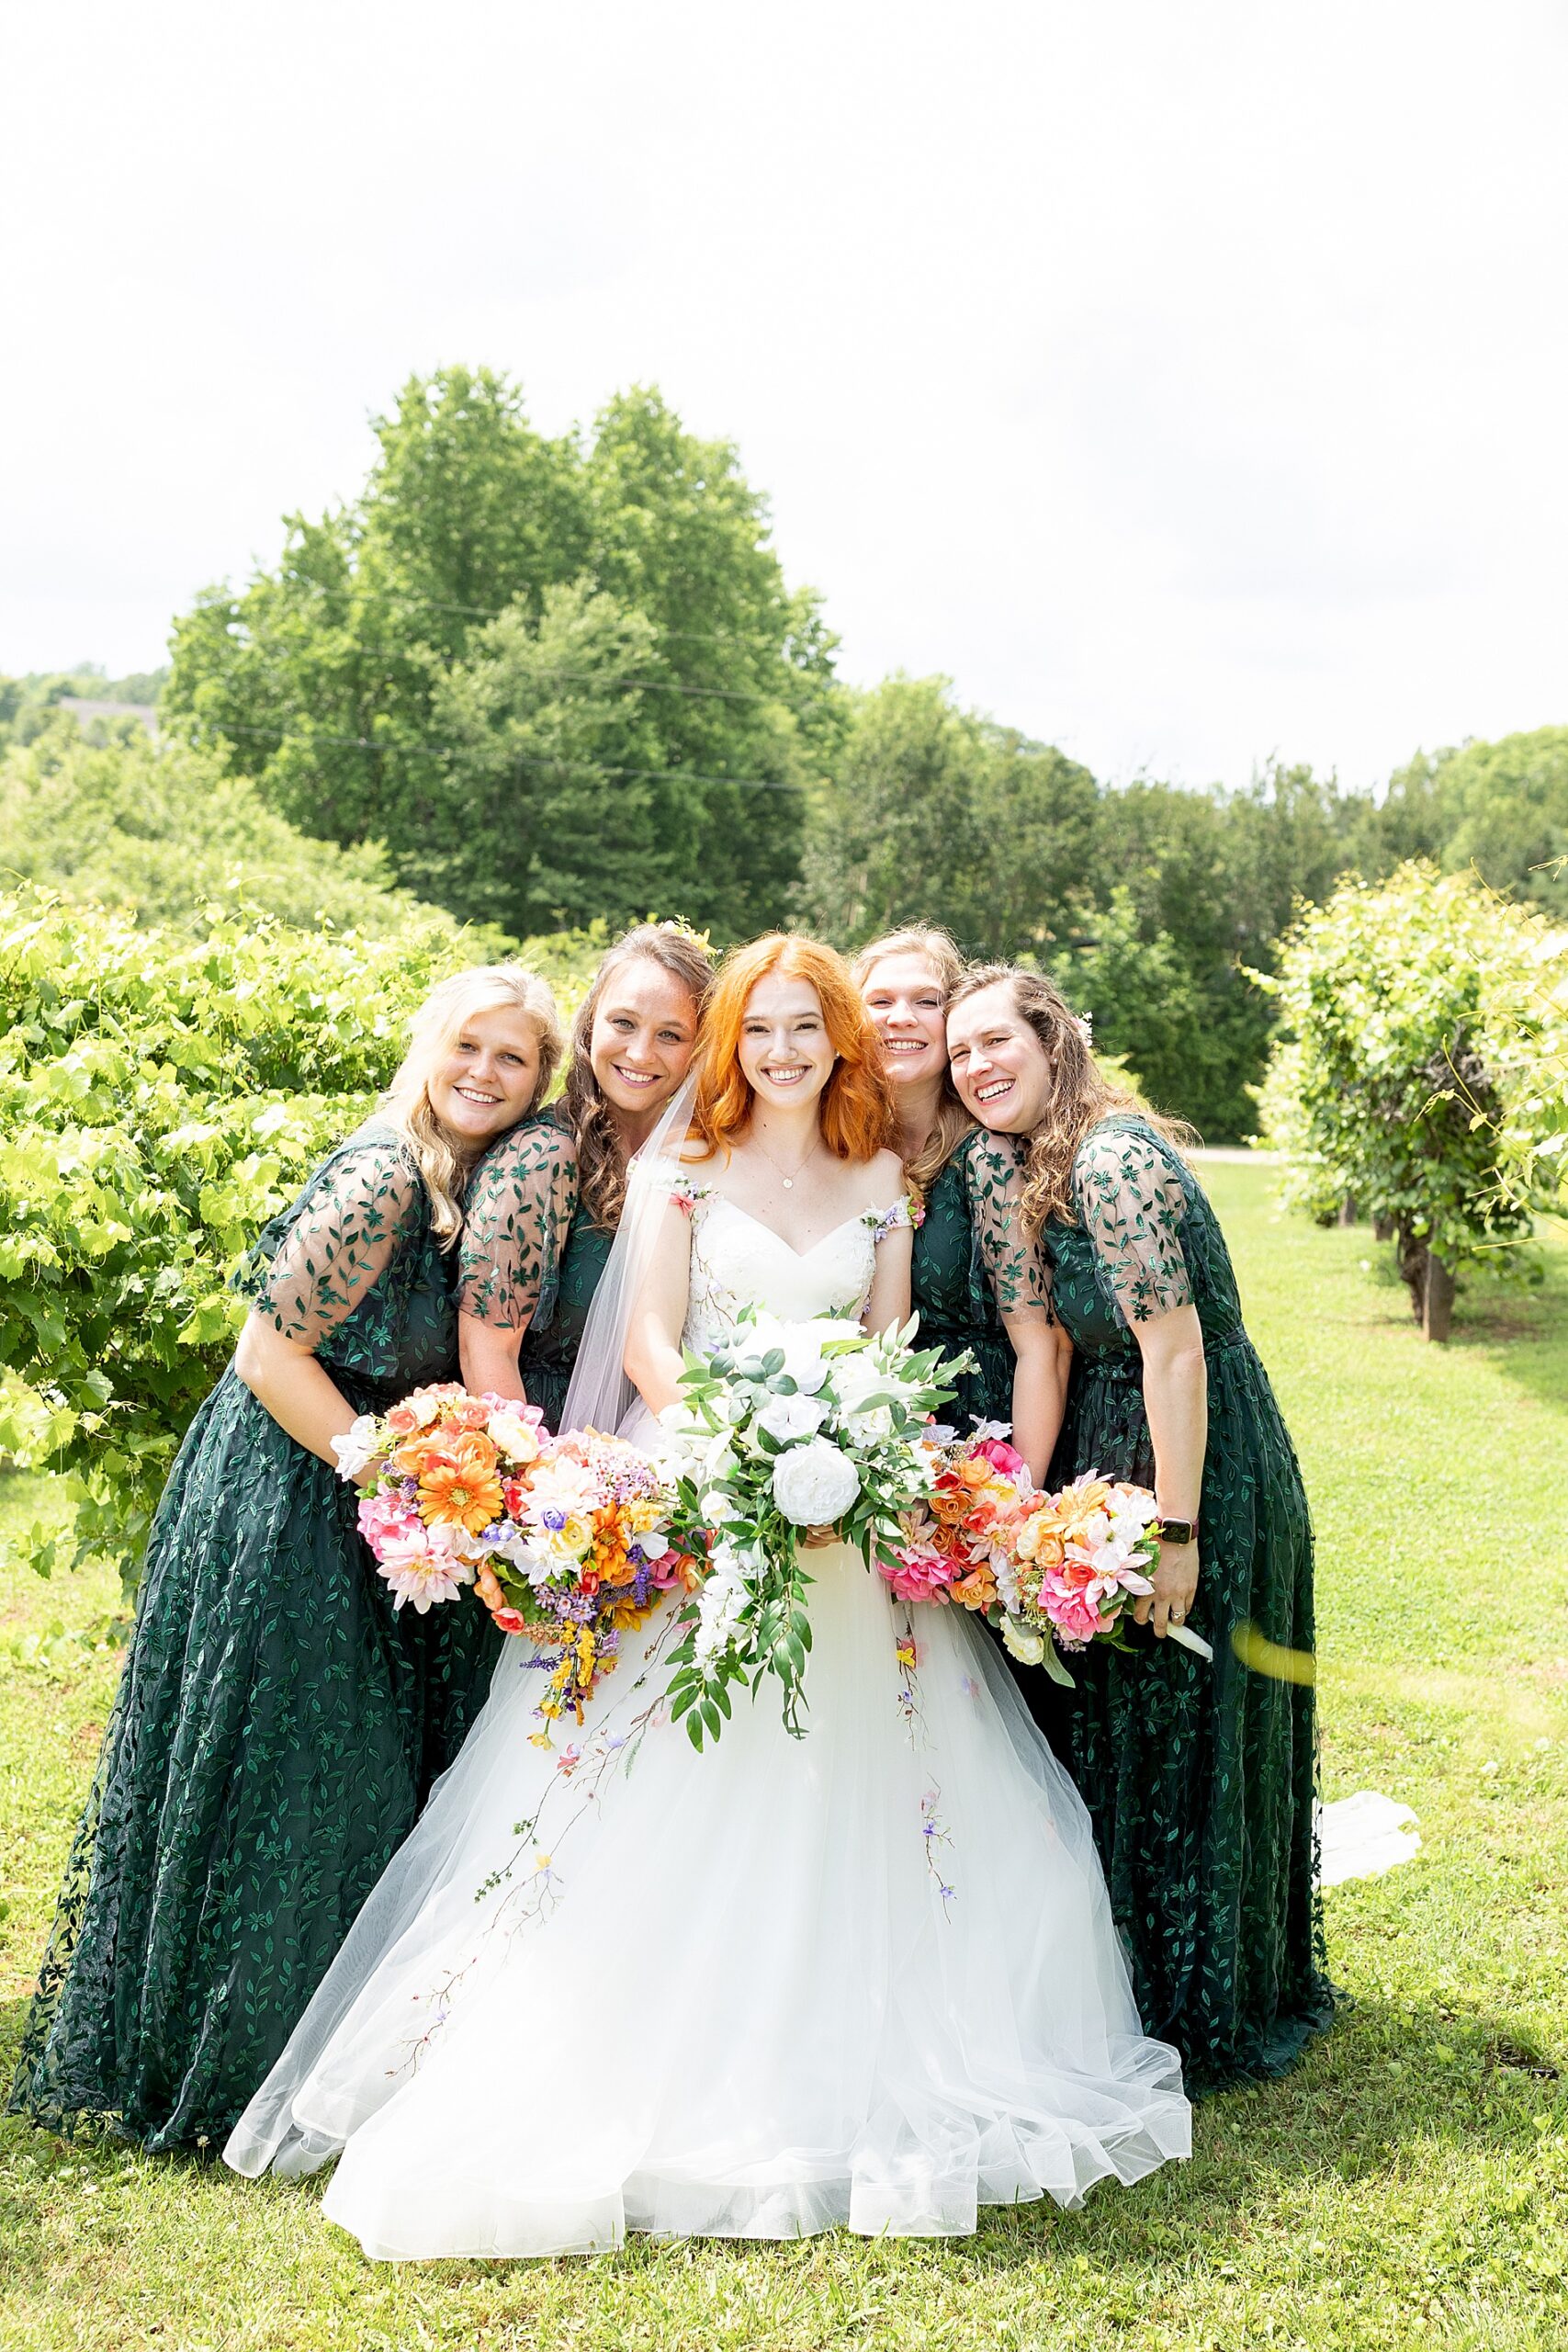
(561, 767)
(647, 685)
(440, 604)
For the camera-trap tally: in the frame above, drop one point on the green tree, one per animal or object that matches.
(1409, 1076)
(329, 676)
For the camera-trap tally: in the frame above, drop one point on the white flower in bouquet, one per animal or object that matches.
(355, 1449)
(512, 1435)
(786, 1420)
(424, 1566)
(814, 1484)
(1026, 1644)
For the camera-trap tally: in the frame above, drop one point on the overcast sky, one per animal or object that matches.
(1187, 382)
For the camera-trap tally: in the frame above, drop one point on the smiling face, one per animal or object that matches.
(483, 1081)
(787, 1056)
(645, 1030)
(905, 998)
(999, 1065)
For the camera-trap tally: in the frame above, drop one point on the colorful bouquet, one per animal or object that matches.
(795, 1426)
(574, 1528)
(1049, 1572)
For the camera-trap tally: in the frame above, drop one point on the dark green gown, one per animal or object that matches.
(970, 1263)
(1199, 1778)
(532, 1254)
(278, 1724)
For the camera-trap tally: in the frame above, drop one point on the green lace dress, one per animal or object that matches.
(278, 1724)
(531, 1256)
(972, 1265)
(1199, 1778)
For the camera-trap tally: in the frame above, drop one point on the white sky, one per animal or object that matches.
(1188, 381)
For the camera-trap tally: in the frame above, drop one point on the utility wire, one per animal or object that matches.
(438, 605)
(560, 767)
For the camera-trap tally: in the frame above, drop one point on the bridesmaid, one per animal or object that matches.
(546, 1201)
(979, 1281)
(278, 1725)
(1200, 1778)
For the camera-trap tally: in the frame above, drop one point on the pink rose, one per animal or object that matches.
(1074, 1617)
(920, 1575)
(1000, 1455)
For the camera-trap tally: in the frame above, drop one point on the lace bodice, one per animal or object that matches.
(739, 1261)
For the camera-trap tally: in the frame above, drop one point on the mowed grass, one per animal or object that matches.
(1407, 2185)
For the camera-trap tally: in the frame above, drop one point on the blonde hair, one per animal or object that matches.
(445, 1163)
(939, 950)
(601, 1154)
(1081, 1094)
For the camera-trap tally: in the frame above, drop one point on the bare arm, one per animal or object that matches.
(1175, 1397)
(653, 1359)
(295, 1388)
(1043, 1358)
(888, 1304)
(488, 1354)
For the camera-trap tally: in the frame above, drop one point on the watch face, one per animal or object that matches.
(1176, 1531)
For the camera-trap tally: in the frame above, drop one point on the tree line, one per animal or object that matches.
(565, 680)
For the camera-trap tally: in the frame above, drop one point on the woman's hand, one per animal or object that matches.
(1174, 1582)
(817, 1539)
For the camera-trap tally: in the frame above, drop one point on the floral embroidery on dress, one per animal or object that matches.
(520, 1207)
(908, 1209)
(1130, 1199)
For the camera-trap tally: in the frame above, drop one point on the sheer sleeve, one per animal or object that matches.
(1014, 1265)
(1133, 1205)
(338, 1242)
(519, 1208)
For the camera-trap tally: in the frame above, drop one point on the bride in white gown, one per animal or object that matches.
(865, 1977)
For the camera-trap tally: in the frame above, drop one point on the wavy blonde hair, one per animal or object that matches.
(1081, 1094)
(939, 950)
(445, 1163)
(601, 1154)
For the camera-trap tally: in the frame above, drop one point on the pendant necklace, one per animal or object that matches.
(787, 1181)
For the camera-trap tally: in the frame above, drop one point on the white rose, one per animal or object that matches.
(814, 1484)
(513, 1436)
(355, 1448)
(1026, 1644)
(789, 1418)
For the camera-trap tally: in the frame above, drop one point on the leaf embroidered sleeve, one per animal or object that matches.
(1014, 1264)
(1133, 1205)
(521, 1204)
(350, 1221)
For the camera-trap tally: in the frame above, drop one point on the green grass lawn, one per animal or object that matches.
(1408, 2184)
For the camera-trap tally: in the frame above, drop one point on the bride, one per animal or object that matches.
(865, 1977)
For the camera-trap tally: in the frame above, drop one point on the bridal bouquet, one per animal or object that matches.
(574, 1528)
(952, 1541)
(792, 1426)
(1073, 1563)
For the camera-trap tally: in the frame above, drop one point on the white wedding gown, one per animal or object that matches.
(866, 1976)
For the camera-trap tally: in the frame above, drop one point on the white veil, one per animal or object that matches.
(600, 1396)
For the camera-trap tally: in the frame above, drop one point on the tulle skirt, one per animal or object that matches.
(868, 1976)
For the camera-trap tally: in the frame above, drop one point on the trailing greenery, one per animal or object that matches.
(1407, 2186)
(558, 679)
(162, 1093)
(1412, 1080)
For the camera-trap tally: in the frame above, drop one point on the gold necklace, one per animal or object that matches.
(788, 1180)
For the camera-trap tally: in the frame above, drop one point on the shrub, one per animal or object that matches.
(160, 1096)
(1411, 1079)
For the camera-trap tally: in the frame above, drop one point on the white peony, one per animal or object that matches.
(355, 1449)
(513, 1436)
(814, 1484)
(1024, 1643)
(787, 1418)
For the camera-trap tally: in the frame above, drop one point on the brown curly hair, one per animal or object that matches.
(939, 950)
(1081, 1094)
(600, 1155)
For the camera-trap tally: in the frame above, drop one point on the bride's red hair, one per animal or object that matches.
(856, 1106)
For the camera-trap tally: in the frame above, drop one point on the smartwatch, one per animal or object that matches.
(1174, 1531)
